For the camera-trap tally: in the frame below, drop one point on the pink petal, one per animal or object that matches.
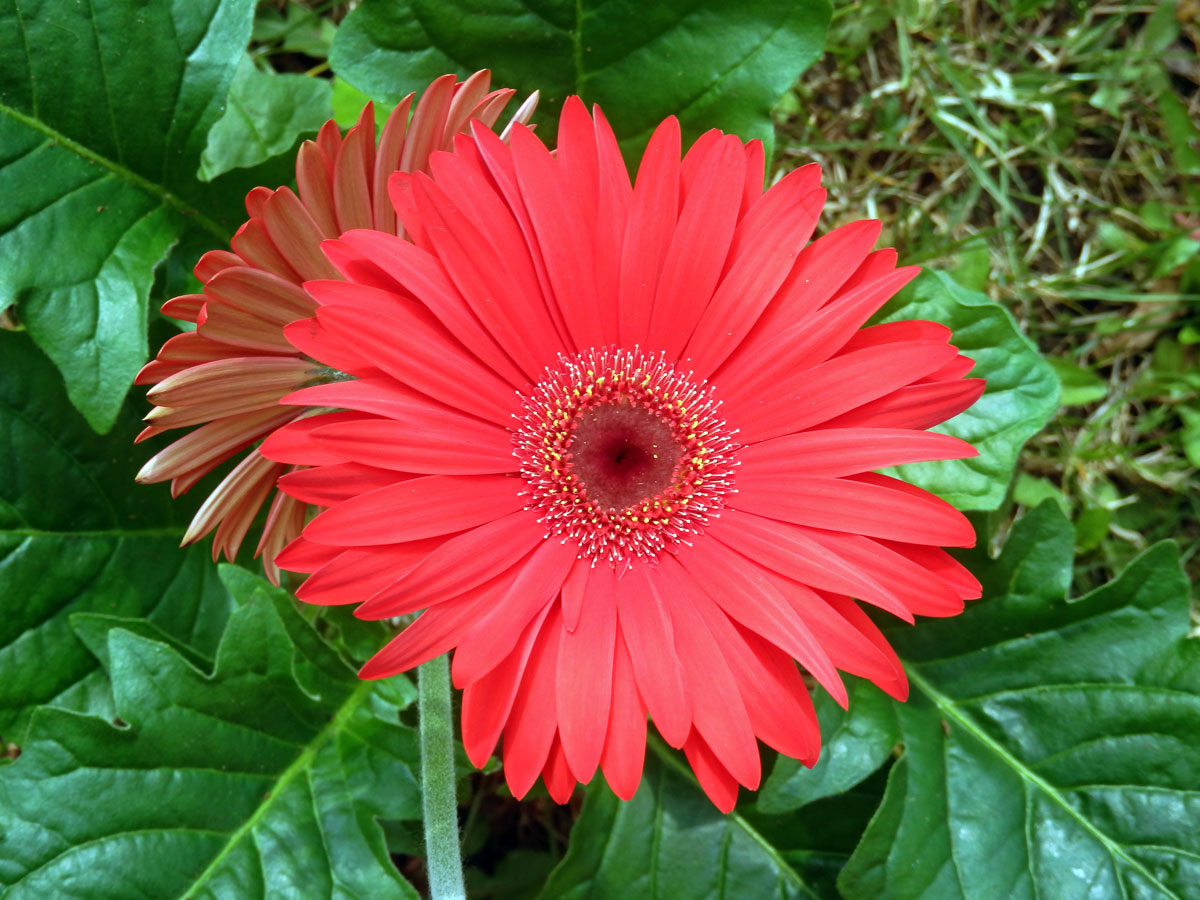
(314, 181)
(387, 161)
(296, 235)
(352, 171)
(253, 244)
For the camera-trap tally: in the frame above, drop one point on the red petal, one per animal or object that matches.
(417, 508)
(855, 507)
(537, 583)
(815, 340)
(740, 587)
(718, 712)
(914, 406)
(426, 439)
(330, 485)
(833, 452)
(531, 724)
(487, 702)
(459, 564)
(801, 400)
(625, 746)
(585, 663)
(696, 255)
(565, 236)
(422, 275)
(652, 215)
(358, 573)
(423, 357)
(754, 277)
(293, 443)
(797, 553)
(714, 778)
(434, 632)
(646, 624)
(821, 268)
(560, 783)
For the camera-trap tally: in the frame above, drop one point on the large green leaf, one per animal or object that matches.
(668, 842)
(265, 115)
(262, 779)
(104, 112)
(76, 536)
(712, 63)
(854, 743)
(1052, 746)
(1021, 395)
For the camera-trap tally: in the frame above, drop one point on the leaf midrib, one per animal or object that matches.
(950, 710)
(189, 213)
(339, 721)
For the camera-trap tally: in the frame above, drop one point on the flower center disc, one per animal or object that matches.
(623, 454)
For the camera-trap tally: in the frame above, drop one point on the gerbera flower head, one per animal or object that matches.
(228, 375)
(616, 443)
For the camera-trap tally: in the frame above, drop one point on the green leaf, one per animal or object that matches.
(262, 779)
(854, 743)
(265, 116)
(1080, 386)
(77, 536)
(104, 109)
(713, 64)
(1052, 746)
(669, 841)
(1021, 395)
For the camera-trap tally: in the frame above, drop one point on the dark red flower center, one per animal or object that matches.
(623, 454)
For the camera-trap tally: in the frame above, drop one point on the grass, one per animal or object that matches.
(1046, 153)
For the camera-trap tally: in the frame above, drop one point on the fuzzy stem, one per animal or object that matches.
(442, 858)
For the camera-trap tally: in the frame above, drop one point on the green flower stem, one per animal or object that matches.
(442, 858)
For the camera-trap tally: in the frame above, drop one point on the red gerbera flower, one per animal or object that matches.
(228, 375)
(617, 442)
